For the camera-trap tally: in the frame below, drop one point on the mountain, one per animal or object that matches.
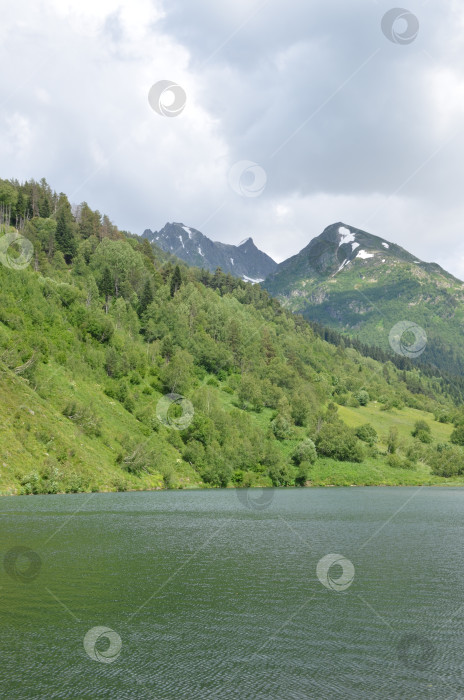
(245, 261)
(363, 285)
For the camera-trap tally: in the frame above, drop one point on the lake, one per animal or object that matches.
(298, 593)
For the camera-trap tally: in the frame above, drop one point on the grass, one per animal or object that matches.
(403, 419)
(36, 436)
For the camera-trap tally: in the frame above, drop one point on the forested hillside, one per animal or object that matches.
(96, 328)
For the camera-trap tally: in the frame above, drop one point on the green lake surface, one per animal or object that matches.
(230, 594)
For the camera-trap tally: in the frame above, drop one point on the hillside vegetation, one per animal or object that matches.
(100, 326)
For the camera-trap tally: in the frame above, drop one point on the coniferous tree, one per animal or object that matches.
(146, 298)
(176, 280)
(20, 212)
(65, 238)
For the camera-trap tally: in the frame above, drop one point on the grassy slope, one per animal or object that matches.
(34, 432)
(35, 435)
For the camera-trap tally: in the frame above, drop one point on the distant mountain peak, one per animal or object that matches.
(362, 285)
(245, 261)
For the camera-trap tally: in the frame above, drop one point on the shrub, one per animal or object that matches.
(282, 474)
(447, 460)
(394, 460)
(362, 397)
(424, 436)
(305, 451)
(84, 417)
(139, 460)
(397, 462)
(457, 436)
(420, 426)
(367, 433)
(392, 440)
(281, 427)
(336, 440)
(302, 473)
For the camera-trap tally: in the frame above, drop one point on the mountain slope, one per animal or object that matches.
(98, 333)
(362, 285)
(245, 261)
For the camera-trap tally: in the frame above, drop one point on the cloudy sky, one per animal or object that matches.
(343, 121)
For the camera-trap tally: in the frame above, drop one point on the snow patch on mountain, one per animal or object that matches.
(345, 235)
(187, 230)
(182, 241)
(231, 260)
(199, 250)
(354, 246)
(385, 245)
(345, 262)
(364, 255)
(250, 279)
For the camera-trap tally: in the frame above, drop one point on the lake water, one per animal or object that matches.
(225, 594)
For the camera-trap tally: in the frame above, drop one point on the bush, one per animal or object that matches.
(424, 436)
(281, 427)
(397, 462)
(305, 451)
(362, 397)
(447, 460)
(84, 417)
(420, 426)
(457, 436)
(282, 475)
(139, 460)
(367, 433)
(392, 440)
(302, 473)
(336, 440)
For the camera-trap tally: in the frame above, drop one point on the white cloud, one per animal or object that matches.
(373, 150)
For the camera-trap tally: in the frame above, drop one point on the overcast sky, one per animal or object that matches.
(344, 122)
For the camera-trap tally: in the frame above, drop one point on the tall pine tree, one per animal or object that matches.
(65, 237)
(146, 298)
(176, 280)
